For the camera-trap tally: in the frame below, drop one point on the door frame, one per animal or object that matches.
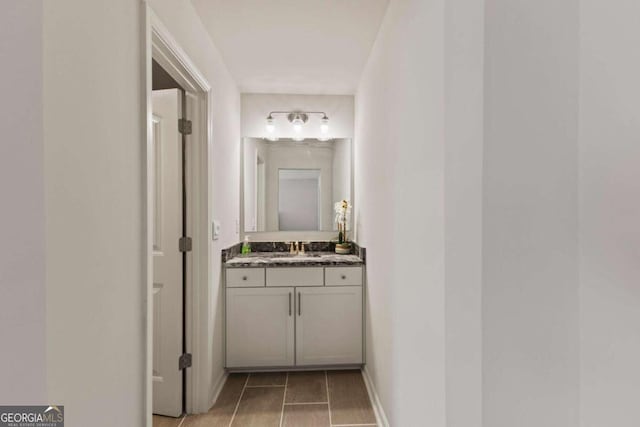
(159, 44)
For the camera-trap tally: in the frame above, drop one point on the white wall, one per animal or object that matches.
(530, 280)
(22, 241)
(256, 108)
(399, 163)
(560, 207)
(94, 128)
(93, 133)
(183, 22)
(418, 162)
(610, 213)
(464, 60)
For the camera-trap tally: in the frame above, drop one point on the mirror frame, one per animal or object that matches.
(290, 236)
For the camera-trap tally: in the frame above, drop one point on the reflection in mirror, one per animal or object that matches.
(292, 186)
(298, 199)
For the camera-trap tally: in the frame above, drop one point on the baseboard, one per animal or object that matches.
(217, 387)
(381, 417)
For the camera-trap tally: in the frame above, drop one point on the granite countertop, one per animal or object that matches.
(283, 259)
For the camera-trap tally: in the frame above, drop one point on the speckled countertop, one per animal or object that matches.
(280, 259)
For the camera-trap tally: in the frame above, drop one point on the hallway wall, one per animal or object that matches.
(93, 126)
(399, 167)
(93, 157)
(463, 111)
(530, 228)
(610, 213)
(418, 161)
(22, 239)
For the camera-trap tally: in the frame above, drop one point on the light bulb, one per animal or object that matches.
(324, 125)
(297, 124)
(271, 127)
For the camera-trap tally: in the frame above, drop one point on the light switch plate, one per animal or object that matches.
(216, 229)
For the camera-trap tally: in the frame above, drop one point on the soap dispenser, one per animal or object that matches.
(246, 246)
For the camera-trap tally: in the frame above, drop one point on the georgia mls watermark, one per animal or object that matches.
(32, 416)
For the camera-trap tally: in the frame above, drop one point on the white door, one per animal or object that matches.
(260, 327)
(329, 325)
(167, 258)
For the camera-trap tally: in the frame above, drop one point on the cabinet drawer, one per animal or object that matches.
(343, 276)
(245, 277)
(305, 276)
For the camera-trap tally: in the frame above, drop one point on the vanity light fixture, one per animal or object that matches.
(271, 127)
(298, 119)
(324, 124)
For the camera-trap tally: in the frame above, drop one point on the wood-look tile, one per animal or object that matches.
(260, 406)
(222, 411)
(348, 398)
(160, 421)
(306, 416)
(267, 379)
(306, 387)
(355, 425)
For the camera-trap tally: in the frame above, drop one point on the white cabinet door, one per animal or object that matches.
(260, 327)
(329, 325)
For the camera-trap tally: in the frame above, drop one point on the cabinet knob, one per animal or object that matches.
(343, 277)
(244, 278)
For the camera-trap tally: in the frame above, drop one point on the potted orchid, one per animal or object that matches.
(343, 210)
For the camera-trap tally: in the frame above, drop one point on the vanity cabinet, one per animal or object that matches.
(260, 327)
(299, 316)
(329, 325)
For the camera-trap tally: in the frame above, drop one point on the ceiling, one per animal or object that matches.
(294, 46)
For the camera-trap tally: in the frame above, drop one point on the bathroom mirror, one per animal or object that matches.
(291, 186)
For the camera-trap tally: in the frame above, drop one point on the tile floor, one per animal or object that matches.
(286, 399)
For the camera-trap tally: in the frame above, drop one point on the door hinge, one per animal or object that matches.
(184, 361)
(185, 127)
(185, 244)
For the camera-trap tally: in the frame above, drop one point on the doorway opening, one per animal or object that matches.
(178, 219)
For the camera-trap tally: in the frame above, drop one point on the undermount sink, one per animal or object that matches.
(283, 255)
(296, 256)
